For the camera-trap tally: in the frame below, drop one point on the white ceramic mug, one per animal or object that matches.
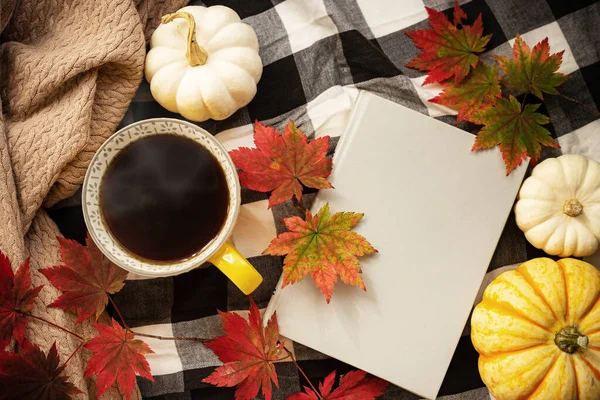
(219, 251)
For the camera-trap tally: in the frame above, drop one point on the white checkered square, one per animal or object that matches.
(165, 359)
(387, 16)
(306, 22)
(242, 136)
(329, 112)
(255, 228)
(557, 41)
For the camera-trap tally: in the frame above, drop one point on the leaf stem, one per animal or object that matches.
(54, 325)
(127, 328)
(291, 355)
(192, 339)
(118, 313)
(523, 101)
(298, 205)
(586, 107)
(71, 356)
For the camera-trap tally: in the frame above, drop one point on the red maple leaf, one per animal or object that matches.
(86, 278)
(280, 163)
(16, 298)
(32, 374)
(355, 385)
(447, 50)
(324, 247)
(247, 352)
(117, 357)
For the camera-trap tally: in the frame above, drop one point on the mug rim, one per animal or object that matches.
(168, 268)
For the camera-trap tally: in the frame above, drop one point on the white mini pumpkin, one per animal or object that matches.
(559, 206)
(203, 63)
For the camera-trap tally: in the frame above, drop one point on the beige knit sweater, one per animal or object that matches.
(68, 70)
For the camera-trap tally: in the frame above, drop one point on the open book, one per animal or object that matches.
(435, 211)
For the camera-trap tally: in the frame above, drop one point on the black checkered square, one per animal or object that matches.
(279, 90)
(560, 8)
(244, 8)
(198, 293)
(270, 268)
(491, 18)
(591, 76)
(365, 58)
(146, 302)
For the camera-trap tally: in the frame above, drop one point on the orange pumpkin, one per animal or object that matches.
(537, 331)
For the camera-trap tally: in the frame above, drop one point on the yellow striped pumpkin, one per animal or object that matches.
(537, 331)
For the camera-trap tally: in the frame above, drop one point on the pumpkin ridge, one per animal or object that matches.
(543, 219)
(523, 272)
(589, 310)
(589, 365)
(577, 390)
(590, 306)
(564, 275)
(505, 309)
(491, 355)
(539, 385)
(588, 333)
(526, 396)
(584, 184)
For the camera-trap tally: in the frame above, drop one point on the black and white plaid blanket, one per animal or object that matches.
(317, 54)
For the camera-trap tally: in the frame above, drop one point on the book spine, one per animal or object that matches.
(274, 302)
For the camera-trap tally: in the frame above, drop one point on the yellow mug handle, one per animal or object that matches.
(229, 260)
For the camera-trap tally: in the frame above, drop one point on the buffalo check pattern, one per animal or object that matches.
(317, 55)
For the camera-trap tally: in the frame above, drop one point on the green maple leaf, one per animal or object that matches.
(324, 247)
(477, 92)
(533, 70)
(518, 130)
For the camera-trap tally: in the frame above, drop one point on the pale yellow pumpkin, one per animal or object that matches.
(537, 331)
(559, 206)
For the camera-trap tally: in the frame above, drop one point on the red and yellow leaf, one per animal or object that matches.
(281, 164)
(533, 70)
(247, 352)
(518, 130)
(447, 50)
(85, 278)
(16, 298)
(476, 93)
(355, 385)
(32, 374)
(324, 247)
(117, 358)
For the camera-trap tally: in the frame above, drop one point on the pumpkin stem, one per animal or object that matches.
(572, 207)
(570, 340)
(195, 54)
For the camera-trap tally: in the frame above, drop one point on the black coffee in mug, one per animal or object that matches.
(164, 197)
